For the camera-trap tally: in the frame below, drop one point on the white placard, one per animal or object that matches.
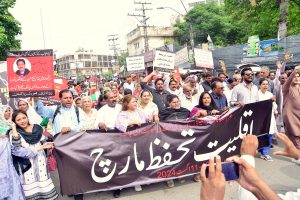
(203, 58)
(136, 63)
(164, 60)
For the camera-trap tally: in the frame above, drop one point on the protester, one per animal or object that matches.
(174, 110)
(196, 87)
(34, 117)
(129, 84)
(271, 76)
(77, 102)
(206, 84)
(264, 94)
(205, 107)
(245, 92)
(187, 100)
(101, 102)
(146, 105)
(107, 115)
(291, 107)
(137, 91)
(173, 88)
(121, 92)
(89, 114)
(237, 78)
(11, 187)
(65, 117)
(218, 96)
(36, 182)
(129, 117)
(229, 88)
(264, 73)
(159, 94)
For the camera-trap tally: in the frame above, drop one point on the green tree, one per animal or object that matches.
(122, 59)
(9, 29)
(209, 19)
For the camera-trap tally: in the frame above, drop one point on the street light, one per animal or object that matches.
(189, 21)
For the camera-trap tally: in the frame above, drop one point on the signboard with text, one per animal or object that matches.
(135, 64)
(203, 58)
(30, 73)
(164, 61)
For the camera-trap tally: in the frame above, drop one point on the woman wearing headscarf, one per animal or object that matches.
(146, 105)
(33, 116)
(11, 188)
(36, 181)
(174, 111)
(205, 107)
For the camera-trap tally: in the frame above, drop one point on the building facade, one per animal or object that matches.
(85, 64)
(157, 37)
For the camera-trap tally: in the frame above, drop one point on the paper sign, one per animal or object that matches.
(136, 63)
(164, 61)
(203, 58)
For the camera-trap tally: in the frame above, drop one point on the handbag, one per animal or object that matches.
(51, 162)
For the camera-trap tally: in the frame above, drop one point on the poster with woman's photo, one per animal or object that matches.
(30, 73)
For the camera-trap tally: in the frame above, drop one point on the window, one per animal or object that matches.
(87, 63)
(87, 56)
(94, 63)
(80, 56)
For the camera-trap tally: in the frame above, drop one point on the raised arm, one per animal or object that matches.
(289, 81)
(45, 111)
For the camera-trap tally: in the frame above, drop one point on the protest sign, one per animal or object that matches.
(164, 61)
(181, 56)
(135, 64)
(93, 161)
(30, 73)
(253, 46)
(59, 84)
(203, 58)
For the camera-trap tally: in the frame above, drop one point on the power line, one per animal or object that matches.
(114, 46)
(143, 22)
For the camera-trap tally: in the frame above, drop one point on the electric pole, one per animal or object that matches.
(114, 46)
(143, 22)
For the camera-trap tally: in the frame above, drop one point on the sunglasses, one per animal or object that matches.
(251, 74)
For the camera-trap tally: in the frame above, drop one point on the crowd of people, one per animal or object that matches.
(127, 103)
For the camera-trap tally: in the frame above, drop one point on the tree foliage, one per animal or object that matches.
(236, 20)
(9, 29)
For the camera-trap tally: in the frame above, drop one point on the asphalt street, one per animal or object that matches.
(281, 174)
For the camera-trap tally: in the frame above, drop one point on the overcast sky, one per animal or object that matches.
(69, 24)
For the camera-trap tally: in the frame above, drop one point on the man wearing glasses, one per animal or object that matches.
(218, 96)
(246, 91)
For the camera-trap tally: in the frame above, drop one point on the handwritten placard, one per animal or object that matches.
(181, 56)
(164, 61)
(203, 58)
(135, 63)
(30, 73)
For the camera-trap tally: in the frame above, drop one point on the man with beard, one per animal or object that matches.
(245, 92)
(107, 115)
(159, 94)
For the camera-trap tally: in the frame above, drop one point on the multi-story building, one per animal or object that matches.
(85, 64)
(157, 37)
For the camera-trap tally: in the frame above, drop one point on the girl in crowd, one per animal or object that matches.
(264, 94)
(33, 117)
(130, 116)
(146, 105)
(9, 180)
(174, 111)
(205, 107)
(121, 92)
(36, 181)
(101, 102)
(89, 114)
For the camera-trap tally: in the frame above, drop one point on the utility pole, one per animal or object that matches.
(143, 22)
(114, 46)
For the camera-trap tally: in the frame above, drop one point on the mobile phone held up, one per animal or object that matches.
(229, 169)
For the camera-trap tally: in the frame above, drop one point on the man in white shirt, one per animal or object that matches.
(129, 84)
(188, 101)
(107, 115)
(245, 92)
(173, 84)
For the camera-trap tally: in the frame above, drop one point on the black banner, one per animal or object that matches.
(98, 161)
